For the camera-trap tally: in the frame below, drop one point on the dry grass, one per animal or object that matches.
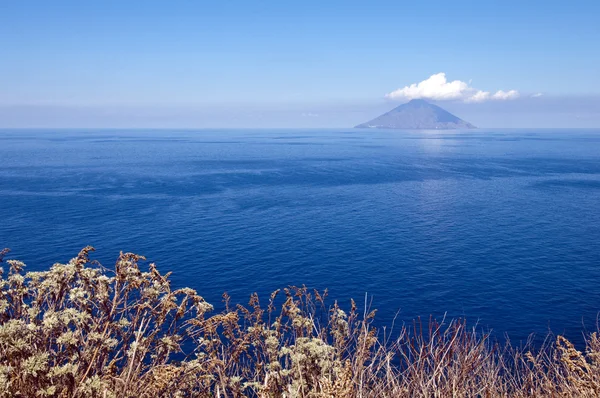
(80, 330)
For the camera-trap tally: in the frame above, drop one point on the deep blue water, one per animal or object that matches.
(502, 227)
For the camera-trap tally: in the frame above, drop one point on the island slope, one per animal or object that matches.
(417, 114)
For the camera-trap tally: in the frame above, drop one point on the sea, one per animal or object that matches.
(500, 227)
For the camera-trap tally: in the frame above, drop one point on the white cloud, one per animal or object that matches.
(536, 95)
(479, 96)
(505, 95)
(437, 87)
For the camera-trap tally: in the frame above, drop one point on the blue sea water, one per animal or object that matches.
(499, 226)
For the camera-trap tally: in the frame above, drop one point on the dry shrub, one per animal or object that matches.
(80, 330)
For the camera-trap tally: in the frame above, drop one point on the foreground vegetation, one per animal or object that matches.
(80, 330)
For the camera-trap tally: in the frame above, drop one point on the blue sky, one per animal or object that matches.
(294, 64)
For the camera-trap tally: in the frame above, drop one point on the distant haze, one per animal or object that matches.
(563, 112)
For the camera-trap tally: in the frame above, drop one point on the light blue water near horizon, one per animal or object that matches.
(499, 226)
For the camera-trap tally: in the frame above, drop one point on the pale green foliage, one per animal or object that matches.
(80, 330)
(71, 330)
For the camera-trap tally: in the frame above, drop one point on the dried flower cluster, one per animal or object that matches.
(80, 330)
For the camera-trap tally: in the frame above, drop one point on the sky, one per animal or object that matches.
(296, 63)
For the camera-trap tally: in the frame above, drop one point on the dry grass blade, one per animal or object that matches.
(81, 330)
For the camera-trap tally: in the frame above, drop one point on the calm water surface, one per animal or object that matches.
(500, 226)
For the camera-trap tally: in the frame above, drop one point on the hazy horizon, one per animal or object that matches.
(522, 113)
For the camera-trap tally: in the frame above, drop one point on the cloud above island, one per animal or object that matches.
(438, 88)
(500, 95)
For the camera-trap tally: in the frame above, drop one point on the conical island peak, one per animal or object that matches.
(417, 114)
